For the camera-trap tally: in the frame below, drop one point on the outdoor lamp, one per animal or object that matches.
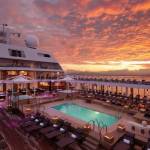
(55, 119)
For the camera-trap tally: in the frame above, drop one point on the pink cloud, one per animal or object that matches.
(81, 31)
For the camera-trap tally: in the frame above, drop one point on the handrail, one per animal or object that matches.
(119, 113)
(100, 128)
(93, 123)
(101, 125)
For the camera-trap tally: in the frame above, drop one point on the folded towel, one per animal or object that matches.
(32, 117)
(41, 124)
(36, 120)
(62, 129)
(55, 125)
(73, 136)
(126, 141)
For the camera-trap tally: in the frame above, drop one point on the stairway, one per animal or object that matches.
(90, 143)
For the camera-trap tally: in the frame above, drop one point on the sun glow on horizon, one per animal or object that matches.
(107, 66)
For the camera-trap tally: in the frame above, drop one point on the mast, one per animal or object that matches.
(6, 33)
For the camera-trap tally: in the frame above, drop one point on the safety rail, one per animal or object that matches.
(92, 122)
(119, 114)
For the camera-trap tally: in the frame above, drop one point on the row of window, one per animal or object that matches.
(16, 53)
(44, 55)
(30, 64)
(19, 53)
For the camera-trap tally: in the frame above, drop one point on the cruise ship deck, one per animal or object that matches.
(74, 74)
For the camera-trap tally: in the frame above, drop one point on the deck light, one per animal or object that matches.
(28, 111)
(87, 128)
(55, 119)
(144, 123)
(120, 127)
(108, 138)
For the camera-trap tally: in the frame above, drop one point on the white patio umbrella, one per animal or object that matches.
(18, 79)
(68, 80)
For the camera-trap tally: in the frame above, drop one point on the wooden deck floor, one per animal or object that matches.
(13, 139)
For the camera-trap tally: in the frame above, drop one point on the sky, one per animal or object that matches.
(86, 35)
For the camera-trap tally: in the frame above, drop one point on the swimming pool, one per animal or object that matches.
(86, 114)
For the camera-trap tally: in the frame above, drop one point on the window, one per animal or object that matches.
(44, 55)
(55, 66)
(16, 53)
(142, 131)
(12, 73)
(24, 73)
(133, 128)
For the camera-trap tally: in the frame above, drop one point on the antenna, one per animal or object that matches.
(4, 25)
(5, 35)
(18, 34)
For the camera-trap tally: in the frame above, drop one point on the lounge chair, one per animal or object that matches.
(147, 114)
(54, 134)
(30, 118)
(54, 126)
(147, 147)
(125, 143)
(42, 123)
(27, 124)
(1, 137)
(3, 145)
(63, 129)
(76, 135)
(65, 141)
(46, 130)
(33, 121)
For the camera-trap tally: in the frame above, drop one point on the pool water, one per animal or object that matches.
(86, 114)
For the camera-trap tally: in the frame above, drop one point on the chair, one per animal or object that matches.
(36, 127)
(147, 114)
(125, 143)
(57, 132)
(140, 131)
(75, 135)
(147, 147)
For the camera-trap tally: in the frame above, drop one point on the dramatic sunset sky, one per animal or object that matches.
(86, 35)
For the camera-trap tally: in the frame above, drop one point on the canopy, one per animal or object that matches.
(67, 79)
(20, 79)
(68, 91)
(22, 97)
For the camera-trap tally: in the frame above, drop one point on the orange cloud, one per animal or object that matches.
(86, 35)
(84, 2)
(143, 6)
(113, 10)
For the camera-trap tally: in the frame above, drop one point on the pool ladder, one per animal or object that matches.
(101, 125)
(119, 114)
(92, 122)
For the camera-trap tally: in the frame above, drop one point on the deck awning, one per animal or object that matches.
(23, 79)
(67, 79)
(138, 86)
(20, 79)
